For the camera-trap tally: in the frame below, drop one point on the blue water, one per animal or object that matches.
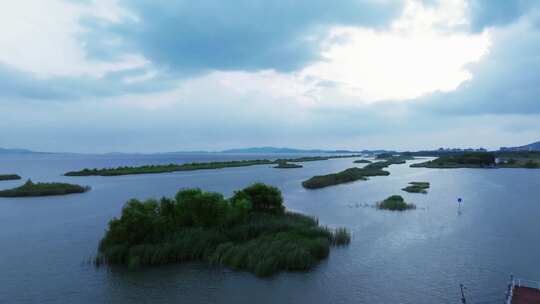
(418, 256)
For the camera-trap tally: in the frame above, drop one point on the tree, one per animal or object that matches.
(263, 198)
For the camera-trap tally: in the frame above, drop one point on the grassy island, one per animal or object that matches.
(362, 161)
(345, 176)
(352, 174)
(250, 231)
(465, 160)
(417, 187)
(167, 168)
(395, 203)
(43, 189)
(152, 169)
(286, 165)
(390, 156)
(6, 177)
(518, 159)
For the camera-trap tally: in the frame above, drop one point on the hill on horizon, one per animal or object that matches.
(535, 146)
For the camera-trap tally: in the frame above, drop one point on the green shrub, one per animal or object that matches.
(5, 177)
(43, 189)
(417, 187)
(251, 231)
(395, 203)
(263, 198)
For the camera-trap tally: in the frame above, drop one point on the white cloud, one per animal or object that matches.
(40, 37)
(419, 54)
(424, 51)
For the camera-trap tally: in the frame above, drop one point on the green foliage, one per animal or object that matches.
(263, 198)
(362, 161)
(395, 203)
(384, 155)
(250, 231)
(43, 189)
(167, 168)
(152, 169)
(417, 187)
(465, 160)
(341, 237)
(346, 176)
(531, 165)
(286, 165)
(5, 177)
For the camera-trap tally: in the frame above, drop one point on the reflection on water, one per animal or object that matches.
(418, 256)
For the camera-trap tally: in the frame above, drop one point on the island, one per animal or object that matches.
(352, 174)
(345, 176)
(286, 165)
(250, 231)
(465, 160)
(6, 177)
(518, 159)
(484, 160)
(43, 189)
(395, 203)
(417, 187)
(362, 161)
(153, 169)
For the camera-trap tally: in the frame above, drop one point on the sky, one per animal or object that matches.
(157, 75)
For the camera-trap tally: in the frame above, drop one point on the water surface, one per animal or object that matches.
(418, 256)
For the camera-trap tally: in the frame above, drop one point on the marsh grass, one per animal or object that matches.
(154, 169)
(351, 174)
(417, 187)
(250, 231)
(395, 203)
(43, 189)
(6, 177)
(286, 165)
(362, 161)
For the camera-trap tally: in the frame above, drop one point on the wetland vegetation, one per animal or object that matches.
(352, 174)
(153, 169)
(286, 165)
(6, 177)
(43, 189)
(417, 187)
(395, 203)
(362, 161)
(464, 160)
(250, 231)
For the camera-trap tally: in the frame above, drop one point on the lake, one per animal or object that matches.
(418, 256)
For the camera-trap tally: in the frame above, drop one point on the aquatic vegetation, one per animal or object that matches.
(518, 159)
(167, 168)
(352, 174)
(417, 187)
(286, 165)
(345, 176)
(250, 231)
(384, 155)
(395, 203)
(465, 160)
(154, 169)
(5, 177)
(341, 237)
(531, 165)
(43, 189)
(362, 161)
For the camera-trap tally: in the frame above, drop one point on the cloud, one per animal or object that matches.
(490, 13)
(159, 76)
(192, 36)
(504, 82)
